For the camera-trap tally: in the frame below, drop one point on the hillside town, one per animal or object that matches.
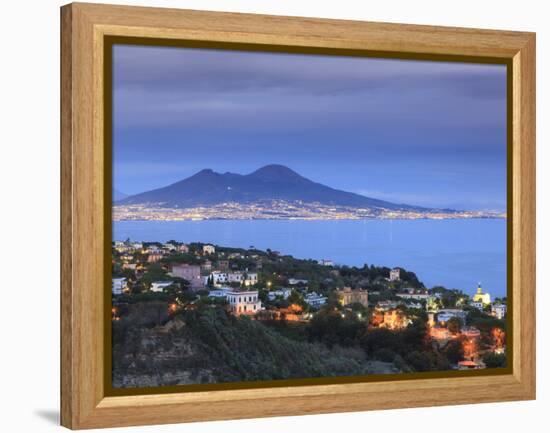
(310, 300)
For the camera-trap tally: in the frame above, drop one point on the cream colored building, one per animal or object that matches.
(250, 279)
(245, 302)
(208, 249)
(481, 296)
(347, 296)
(395, 274)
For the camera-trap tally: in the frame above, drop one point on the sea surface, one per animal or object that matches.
(455, 253)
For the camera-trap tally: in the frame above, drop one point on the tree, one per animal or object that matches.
(454, 351)
(419, 361)
(494, 360)
(188, 295)
(414, 336)
(385, 355)
(155, 272)
(331, 328)
(454, 324)
(427, 361)
(381, 338)
(296, 298)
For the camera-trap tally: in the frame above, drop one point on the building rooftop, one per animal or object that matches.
(243, 292)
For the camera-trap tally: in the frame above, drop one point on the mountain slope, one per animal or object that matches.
(118, 195)
(272, 182)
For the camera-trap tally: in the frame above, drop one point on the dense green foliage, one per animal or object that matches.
(213, 346)
(494, 360)
(244, 349)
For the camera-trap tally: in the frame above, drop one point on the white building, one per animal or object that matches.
(315, 300)
(281, 293)
(250, 279)
(295, 281)
(122, 247)
(235, 277)
(415, 296)
(217, 278)
(118, 285)
(220, 293)
(159, 286)
(246, 302)
(153, 249)
(444, 315)
(208, 249)
(477, 304)
(395, 274)
(499, 311)
(386, 305)
(325, 262)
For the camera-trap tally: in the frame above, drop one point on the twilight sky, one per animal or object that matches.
(416, 132)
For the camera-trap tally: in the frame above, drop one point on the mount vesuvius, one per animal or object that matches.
(270, 183)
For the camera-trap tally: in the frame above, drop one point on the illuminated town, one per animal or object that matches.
(369, 320)
(281, 209)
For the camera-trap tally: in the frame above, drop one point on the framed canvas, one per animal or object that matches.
(266, 216)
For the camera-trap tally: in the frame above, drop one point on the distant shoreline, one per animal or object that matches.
(285, 210)
(309, 219)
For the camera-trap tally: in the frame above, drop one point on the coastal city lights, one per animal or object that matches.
(279, 209)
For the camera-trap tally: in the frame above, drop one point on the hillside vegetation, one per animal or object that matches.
(209, 346)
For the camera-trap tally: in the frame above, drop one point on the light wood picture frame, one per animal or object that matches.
(85, 189)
